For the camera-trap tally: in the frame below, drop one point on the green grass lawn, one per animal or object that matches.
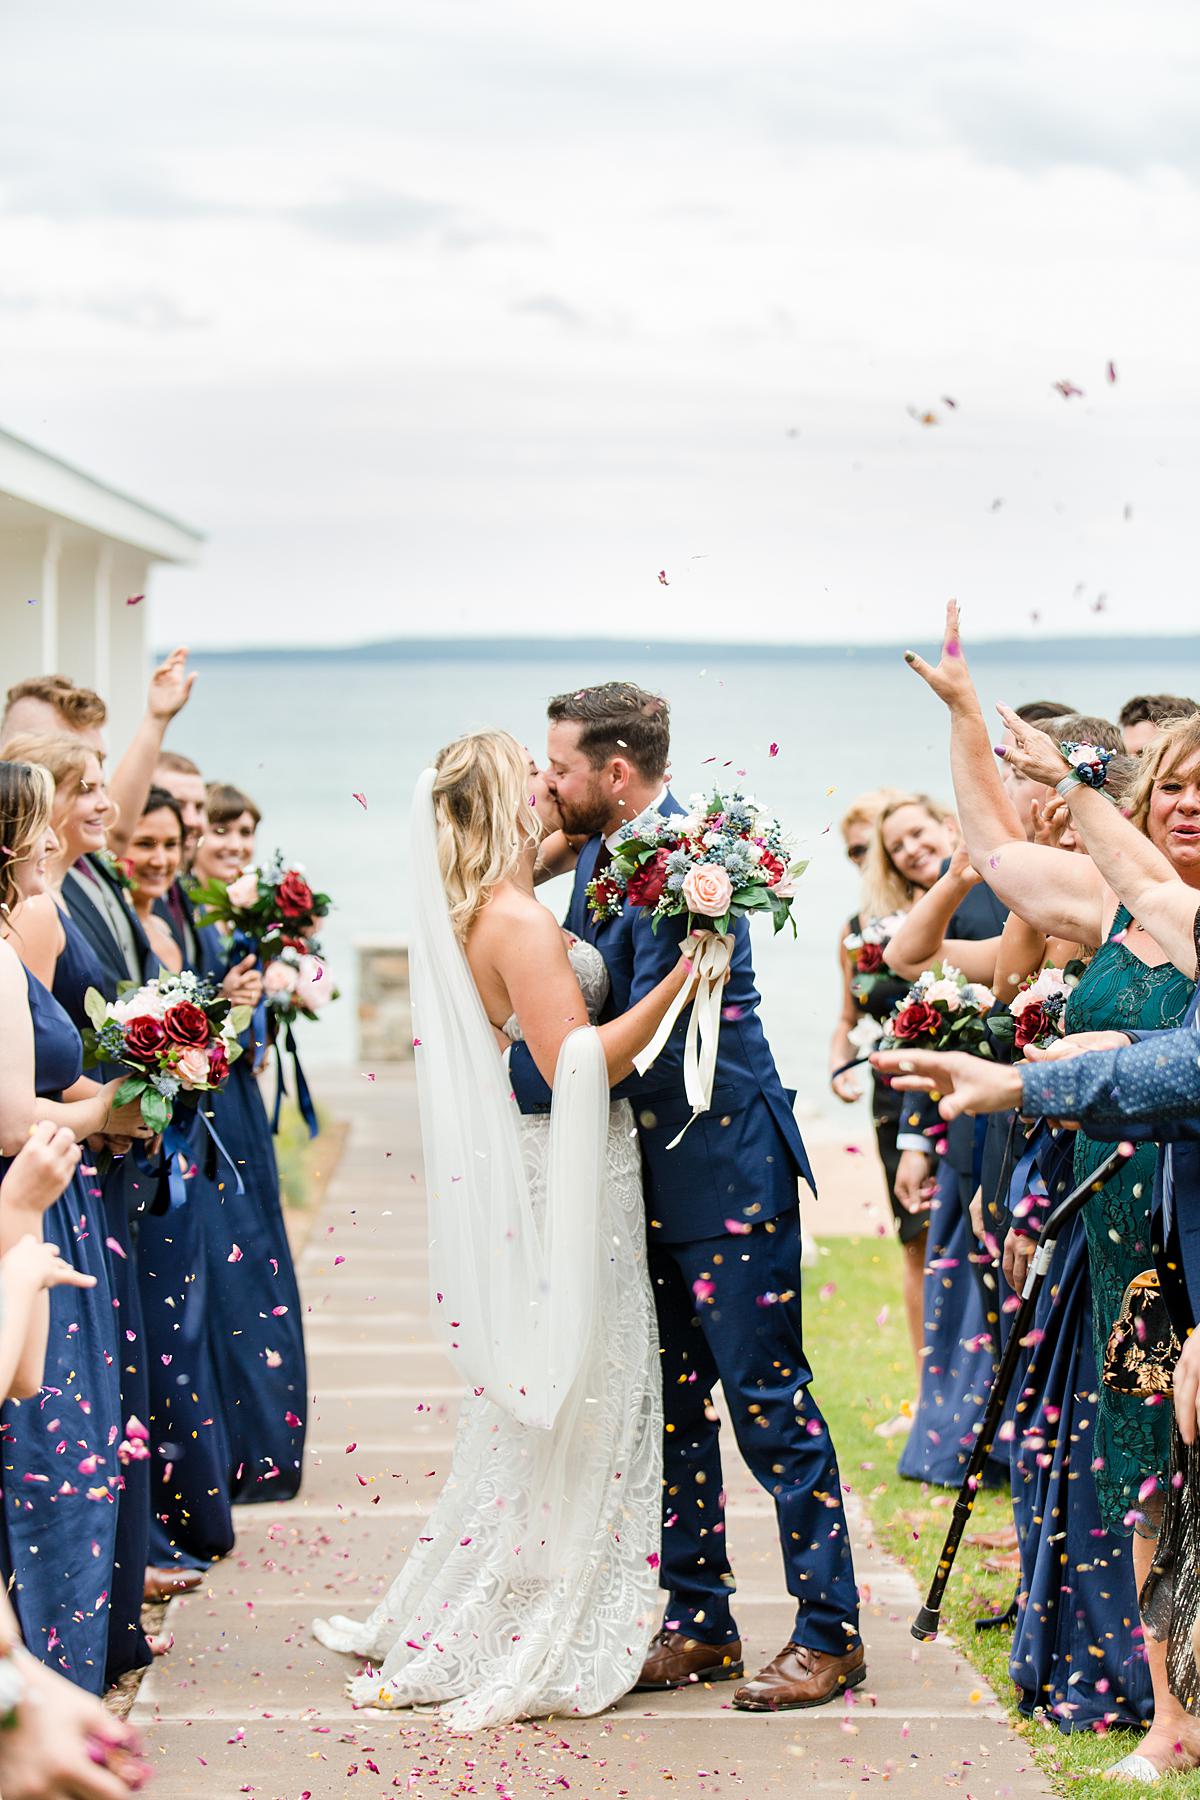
(853, 1300)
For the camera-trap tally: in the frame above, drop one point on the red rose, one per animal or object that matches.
(1031, 1025)
(294, 896)
(187, 1025)
(870, 959)
(218, 1063)
(774, 868)
(914, 1020)
(144, 1037)
(646, 886)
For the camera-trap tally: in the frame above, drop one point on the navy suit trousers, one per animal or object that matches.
(729, 1310)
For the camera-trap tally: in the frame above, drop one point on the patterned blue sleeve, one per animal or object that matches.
(1150, 1090)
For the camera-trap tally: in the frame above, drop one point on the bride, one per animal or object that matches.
(532, 1588)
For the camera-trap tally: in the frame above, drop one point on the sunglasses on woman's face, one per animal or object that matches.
(856, 852)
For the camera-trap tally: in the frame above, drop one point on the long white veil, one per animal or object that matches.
(512, 1283)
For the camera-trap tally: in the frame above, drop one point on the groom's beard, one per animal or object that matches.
(586, 818)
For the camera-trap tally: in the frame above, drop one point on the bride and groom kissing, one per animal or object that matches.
(591, 1283)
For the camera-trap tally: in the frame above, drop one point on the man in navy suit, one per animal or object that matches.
(724, 1250)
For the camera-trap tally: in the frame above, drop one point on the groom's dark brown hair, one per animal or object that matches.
(618, 718)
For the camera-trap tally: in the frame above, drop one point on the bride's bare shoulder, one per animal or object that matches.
(512, 918)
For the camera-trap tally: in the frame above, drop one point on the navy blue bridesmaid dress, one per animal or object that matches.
(958, 1360)
(253, 1301)
(61, 1475)
(78, 969)
(1074, 1654)
(192, 1522)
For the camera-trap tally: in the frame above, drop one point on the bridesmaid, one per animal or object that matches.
(191, 1524)
(957, 920)
(61, 1476)
(253, 1297)
(70, 961)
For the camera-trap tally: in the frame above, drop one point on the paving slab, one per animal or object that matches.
(250, 1703)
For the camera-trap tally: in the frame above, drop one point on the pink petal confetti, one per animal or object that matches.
(738, 1227)
(362, 800)
(1111, 372)
(135, 599)
(774, 750)
(235, 1255)
(662, 576)
(116, 1248)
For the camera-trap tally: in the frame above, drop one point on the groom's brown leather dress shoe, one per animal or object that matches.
(801, 1677)
(676, 1660)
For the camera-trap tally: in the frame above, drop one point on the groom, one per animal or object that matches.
(724, 1250)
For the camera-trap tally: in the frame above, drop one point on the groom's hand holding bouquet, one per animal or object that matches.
(723, 860)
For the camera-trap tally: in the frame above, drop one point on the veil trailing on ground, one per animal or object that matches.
(513, 1284)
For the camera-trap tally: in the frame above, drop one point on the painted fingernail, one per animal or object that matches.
(1000, 749)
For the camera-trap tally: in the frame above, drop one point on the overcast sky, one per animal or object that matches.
(473, 315)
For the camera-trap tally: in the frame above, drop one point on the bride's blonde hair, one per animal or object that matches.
(485, 822)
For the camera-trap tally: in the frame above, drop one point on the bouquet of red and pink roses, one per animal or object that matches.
(942, 1010)
(269, 907)
(176, 1035)
(1035, 1014)
(724, 858)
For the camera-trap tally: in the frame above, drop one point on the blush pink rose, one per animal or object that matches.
(707, 890)
(244, 891)
(280, 978)
(313, 986)
(192, 1068)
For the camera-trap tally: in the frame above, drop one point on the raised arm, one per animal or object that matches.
(921, 940)
(1134, 868)
(1055, 890)
(131, 780)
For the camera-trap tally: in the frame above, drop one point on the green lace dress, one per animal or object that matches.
(1119, 992)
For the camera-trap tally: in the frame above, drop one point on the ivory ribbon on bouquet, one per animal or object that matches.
(712, 953)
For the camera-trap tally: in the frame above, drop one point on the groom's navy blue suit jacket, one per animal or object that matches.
(739, 1160)
(1148, 1091)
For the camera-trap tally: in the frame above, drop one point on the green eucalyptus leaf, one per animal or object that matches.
(95, 1006)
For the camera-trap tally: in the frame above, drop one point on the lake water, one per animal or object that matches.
(304, 734)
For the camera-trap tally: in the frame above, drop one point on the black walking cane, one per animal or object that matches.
(925, 1625)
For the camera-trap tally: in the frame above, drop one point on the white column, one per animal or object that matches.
(84, 573)
(28, 603)
(128, 646)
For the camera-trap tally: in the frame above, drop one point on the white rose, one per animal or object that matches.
(947, 992)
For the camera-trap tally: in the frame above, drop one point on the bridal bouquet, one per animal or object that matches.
(724, 859)
(175, 1035)
(1034, 1015)
(865, 950)
(942, 1010)
(271, 907)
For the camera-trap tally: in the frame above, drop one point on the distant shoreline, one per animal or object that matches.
(542, 649)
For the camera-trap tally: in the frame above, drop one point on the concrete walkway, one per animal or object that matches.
(250, 1703)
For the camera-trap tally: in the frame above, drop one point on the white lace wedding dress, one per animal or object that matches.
(477, 1621)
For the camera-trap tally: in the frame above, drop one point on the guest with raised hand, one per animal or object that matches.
(53, 705)
(1131, 984)
(254, 1302)
(57, 1549)
(73, 945)
(191, 1523)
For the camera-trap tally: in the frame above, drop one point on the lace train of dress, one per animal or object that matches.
(478, 1622)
